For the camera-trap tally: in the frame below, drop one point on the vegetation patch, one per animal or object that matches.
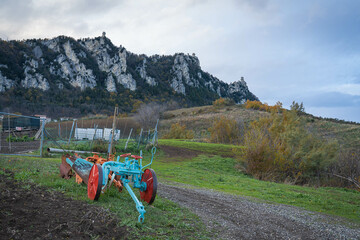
(165, 219)
(220, 173)
(210, 148)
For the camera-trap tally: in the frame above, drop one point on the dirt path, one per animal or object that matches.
(234, 217)
(31, 212)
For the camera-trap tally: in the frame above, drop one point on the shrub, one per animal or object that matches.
(225, 131)
(222, 102)
(346, 170)
(298, 108)
(178, 131)
(257, 105)
(280, 148)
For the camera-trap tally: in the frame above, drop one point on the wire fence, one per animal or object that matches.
(32, 136)
(96, 137)
(21, 135)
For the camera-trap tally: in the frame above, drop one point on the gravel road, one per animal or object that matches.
(234, 217)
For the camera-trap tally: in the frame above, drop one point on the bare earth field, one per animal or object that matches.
(31, 212)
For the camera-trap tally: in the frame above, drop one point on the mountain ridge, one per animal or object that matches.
(91, 75)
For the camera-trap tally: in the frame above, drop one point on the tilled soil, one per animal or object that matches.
(178, 154)
(31, 212)
(234, 217)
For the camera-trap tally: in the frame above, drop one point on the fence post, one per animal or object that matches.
(72, 128)
(113, 129)
(9, 133)
(109, 143)
(140, 138)
(77, 131)
(59, 131)
(42, 136)
(128, 139)
(155, 132)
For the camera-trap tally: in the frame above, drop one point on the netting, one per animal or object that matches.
(20, 134)
(95, 135)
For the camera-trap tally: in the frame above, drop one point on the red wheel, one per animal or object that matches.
(95, 182)
(149, 177)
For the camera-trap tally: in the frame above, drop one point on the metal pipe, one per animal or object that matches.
(11, 114)
(57, 150)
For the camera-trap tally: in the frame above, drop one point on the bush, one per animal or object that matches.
(257, 105)
(298, 108)
(178, 131)
(345, 172)
(225, 131)
(222, 102)
(280, 148)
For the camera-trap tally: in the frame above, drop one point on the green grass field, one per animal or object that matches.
(213, 168)
(209, 170)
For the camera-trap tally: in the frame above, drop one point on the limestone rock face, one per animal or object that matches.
(38, 52)
(115, 65)
(5, 83)
(110, 83)
(142, 71)
(53, 44)
(34, 79)
(73, 70)
(181, 72)
(63, 63)
(240, 90)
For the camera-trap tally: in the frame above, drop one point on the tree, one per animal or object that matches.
(148, 114)
(298, 108)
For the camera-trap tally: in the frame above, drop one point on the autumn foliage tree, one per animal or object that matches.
(225, 130)
(257, 105)
(280, 148)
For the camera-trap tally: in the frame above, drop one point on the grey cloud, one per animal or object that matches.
(333, 100)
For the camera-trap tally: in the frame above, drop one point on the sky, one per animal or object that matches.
(306, 51)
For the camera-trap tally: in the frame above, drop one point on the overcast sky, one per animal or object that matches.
(307, 51)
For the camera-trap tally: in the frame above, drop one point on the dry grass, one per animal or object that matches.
(199, 119)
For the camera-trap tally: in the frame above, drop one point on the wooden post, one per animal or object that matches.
(140, 138)
(128, 139)
(113, 130)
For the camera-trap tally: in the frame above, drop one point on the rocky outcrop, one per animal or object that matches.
(5, 83)
(142, 71)
(33, 79)
(115, 65)
(74, 71)
(181, 72)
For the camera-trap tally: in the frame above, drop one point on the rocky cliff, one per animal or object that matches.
(94, 75)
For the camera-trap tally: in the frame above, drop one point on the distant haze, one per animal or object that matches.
(307, 51)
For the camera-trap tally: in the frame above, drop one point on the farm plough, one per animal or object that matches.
(100, 173)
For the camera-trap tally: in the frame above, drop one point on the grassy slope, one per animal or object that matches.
(200, 119)
(162, 220)
(216, 172)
